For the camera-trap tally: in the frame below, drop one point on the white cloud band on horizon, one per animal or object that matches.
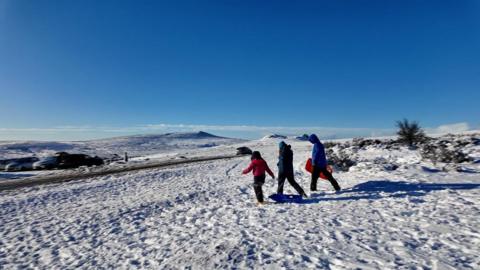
(449, 128)
(242, 131)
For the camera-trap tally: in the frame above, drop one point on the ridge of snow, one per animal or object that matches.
(274, 136)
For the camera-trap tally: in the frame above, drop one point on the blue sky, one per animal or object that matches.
(88, 69)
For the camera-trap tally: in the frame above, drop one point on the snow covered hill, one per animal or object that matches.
(203, 216)
(273, 136)
(139, 145)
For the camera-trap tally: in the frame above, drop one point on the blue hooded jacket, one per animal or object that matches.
(318, 153)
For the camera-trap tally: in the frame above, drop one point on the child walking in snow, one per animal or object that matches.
(285, 169)
(259, 167)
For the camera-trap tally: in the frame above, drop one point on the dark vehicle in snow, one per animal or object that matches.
(4, 163)
(67, 161)
(20, 164)
(46, 163)
(244, 151)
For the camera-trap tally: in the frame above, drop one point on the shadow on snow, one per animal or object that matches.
(372, 190)
(10, 176)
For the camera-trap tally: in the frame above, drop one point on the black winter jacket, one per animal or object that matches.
(285, 159)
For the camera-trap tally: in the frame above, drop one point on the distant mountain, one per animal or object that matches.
(136, 145)
(304, 137)
(275, 136)
(195, 135)
(169, 136)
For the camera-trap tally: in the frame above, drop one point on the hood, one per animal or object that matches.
(256, 155)
(313, 139)
(282, 145)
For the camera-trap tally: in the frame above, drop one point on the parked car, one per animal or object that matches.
(244, 151)
(114, 158)
(47, 163)
(4, 163)
(21, 164)
(66, 161)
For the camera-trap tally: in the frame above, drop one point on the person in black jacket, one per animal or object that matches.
(285, 169)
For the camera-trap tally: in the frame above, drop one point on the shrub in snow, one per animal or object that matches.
(361, 142)
(390, 167)
(445, 152)
(328, 145)
(380, 160)
(410, 133)
(340, 160)
(476, 141)
(392, 145)
(385, 164)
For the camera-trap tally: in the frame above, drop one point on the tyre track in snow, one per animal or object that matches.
(39, 180)
(107, 211)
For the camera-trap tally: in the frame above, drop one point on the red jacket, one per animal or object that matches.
(259, 166)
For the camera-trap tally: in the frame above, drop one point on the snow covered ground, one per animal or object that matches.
(203, 216)
(139, 145)
(141, 149)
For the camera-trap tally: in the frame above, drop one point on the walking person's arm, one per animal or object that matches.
(314, 156)
(248, 169)
(269, 171)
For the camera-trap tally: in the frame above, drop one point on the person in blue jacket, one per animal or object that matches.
(319, 164)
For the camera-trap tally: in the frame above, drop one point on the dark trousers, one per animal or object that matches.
(258, 182)
(289, 176)
(316, 174)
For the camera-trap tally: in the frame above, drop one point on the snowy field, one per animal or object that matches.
(204, 216)
(139, 145)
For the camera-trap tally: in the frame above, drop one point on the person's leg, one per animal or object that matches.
(258, 192)
(258, 181)
(295, 185)
(315, 175)
(330, 178)
(281, 183)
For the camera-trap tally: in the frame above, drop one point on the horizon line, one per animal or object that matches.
(89, 132)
